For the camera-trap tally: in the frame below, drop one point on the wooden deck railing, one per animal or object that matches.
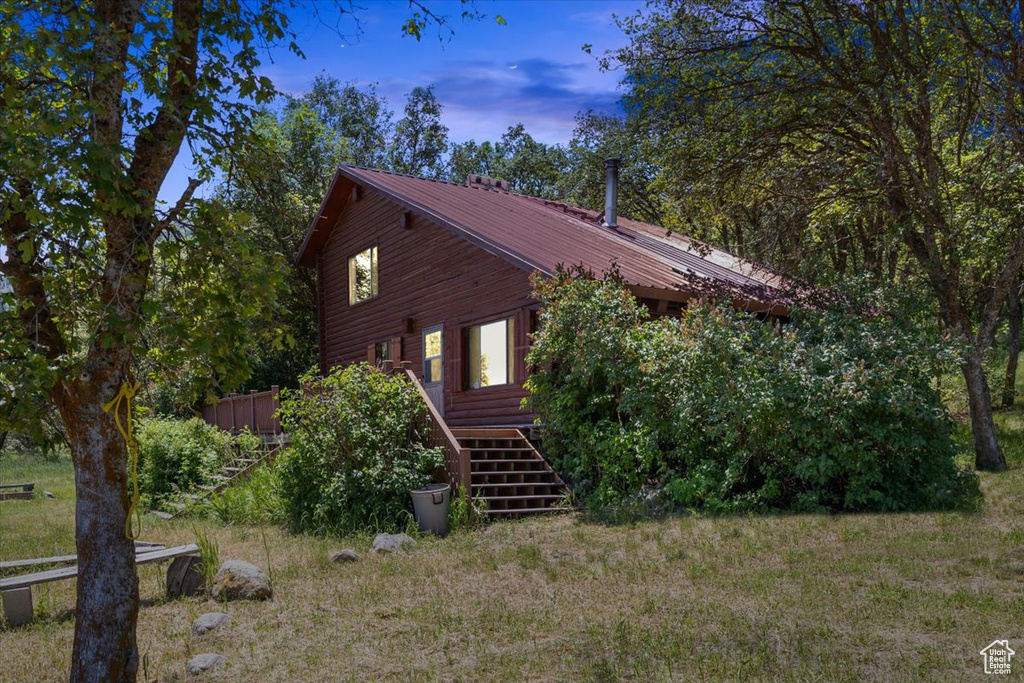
(456, 458)
(256, 411)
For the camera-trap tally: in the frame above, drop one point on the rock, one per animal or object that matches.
(161, 514)
(347, 555)
(237, 580)
(651, 498)
(47, 494)
(386, 543)
(205, 623)
(185, 577)
(204, 662)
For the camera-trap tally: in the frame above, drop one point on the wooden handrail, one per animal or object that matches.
(457, 466)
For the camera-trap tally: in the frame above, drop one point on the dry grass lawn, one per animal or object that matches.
(773, 598)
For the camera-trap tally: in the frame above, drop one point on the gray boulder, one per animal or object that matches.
(238, 580)
(388, 543)
(205, 623)
(204, 662)
(347, 555)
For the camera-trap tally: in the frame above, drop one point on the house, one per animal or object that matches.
(438, 275)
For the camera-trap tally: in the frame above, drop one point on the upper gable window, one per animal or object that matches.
(362, 276)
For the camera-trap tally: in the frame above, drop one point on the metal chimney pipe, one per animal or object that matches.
(611, 193)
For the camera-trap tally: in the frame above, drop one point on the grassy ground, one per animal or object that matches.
(777, 598)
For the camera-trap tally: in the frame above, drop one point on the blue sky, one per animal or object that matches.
(487, 76)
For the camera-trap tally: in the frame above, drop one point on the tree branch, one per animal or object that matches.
(179, 207)
(26, 277)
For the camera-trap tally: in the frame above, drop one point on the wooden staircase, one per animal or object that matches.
(234, 470)
(509, 473)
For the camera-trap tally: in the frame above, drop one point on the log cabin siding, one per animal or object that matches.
(428, 274)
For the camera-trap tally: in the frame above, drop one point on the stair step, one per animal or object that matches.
(515, 484)
(478, 461)
(500, 457)
(550, 479)
(527, 511)
(532, 496)
(499, 449)
(485, 433)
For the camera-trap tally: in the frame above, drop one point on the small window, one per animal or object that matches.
(489, 354)
(362, 276)
(432, 356)
(381, 353)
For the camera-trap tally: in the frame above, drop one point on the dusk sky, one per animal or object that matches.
(487, 76)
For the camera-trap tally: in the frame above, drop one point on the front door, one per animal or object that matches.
(433, 366)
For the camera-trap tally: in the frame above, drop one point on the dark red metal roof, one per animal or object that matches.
(536, 234)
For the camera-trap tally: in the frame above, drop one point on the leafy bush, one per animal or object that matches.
(724, 412)
(357, 450)
(257, 500)
(180, 455)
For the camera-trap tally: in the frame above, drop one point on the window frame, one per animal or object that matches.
(374, 275)
(510, 353)
(439, 329)
(380, 358)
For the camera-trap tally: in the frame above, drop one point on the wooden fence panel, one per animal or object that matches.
(255, 411)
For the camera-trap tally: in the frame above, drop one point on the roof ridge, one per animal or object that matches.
(450, 183)
(584, 214)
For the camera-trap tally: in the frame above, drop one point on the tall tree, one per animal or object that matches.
(1014, 318)
(884, 106)
(601, 136)
(277, 183)
(360, 116)
(96, 101)
(420, 139)
(468, 158)
(530, 167)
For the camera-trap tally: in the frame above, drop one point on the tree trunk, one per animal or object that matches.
(987, 454)
(1015, 316)
(107, 608)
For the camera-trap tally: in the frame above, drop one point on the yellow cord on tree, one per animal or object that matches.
(126, 394)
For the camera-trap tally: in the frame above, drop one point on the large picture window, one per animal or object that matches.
(362, 276)
(489, 354)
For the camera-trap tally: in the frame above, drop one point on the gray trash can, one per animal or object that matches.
(430, 507)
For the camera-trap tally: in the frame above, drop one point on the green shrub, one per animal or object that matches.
(466, 514)
(356, 451)
(209, 554)
(256, 500)
(723, 412)
(178, 455)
